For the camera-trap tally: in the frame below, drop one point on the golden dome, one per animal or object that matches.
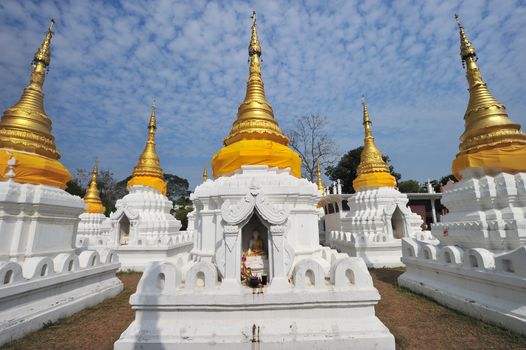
(372, 171)
(487, 125)
(25, 130)
(92, 197)
(255, 137)
(148, 170)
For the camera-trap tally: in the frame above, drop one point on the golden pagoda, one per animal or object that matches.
(320, 182)
(255, 138)
(491, 140)
(25, 130)
(372, 171)
(148, 170)
(92, 197)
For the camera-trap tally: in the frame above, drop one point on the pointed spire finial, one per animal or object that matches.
(371, 161)
(466, 47)
(92, 196)
(366, 120)
(320, 182)
(205, 174)
(148, 170)
(152, 125)
(487, 124)
(255, 117)
(25, 126)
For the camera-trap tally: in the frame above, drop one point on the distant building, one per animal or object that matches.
(428, 206)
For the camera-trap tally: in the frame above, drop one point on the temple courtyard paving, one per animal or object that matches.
(415, 321)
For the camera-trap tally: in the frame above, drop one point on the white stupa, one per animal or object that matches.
(257, 276)
(377, 216)
(479, 266)
(42, 279)
(142, 228)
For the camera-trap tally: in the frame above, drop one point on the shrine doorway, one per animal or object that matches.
(255, 248)
(397, 224)
(124, 230)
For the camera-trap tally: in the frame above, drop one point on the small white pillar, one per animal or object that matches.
(433, 211)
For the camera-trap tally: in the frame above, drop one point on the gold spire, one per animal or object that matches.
(372, 171)
(255, 118)
(205, 175)
(487, 124)
(371, 160)
(255, 138)
(92, 197)
(320, 182)
(149, 164)
(25, 126)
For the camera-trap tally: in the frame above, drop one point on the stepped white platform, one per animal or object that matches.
(315, 298)
(141, 230)
(479, 266)
(42, 279)
(372, 226)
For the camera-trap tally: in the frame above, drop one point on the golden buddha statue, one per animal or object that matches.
(255, 246)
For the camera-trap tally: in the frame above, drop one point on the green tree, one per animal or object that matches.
(409, 186)
(345, 170)
(183, 206)
(74, 188)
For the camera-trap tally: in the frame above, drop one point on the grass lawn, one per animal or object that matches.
(415, 321)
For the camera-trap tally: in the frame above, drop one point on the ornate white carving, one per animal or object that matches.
(235, 213)
(270, 212)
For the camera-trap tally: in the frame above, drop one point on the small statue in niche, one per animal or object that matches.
(255, 245)
(246, 272)
(256, 256)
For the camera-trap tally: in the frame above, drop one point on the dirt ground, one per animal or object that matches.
(415, 321)
(95, 328)
(419, 323)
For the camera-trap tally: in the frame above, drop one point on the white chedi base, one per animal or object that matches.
(94, 230)
(141, 230)
(316, 298)
(41, 277)
(479, 267)
(373, 227)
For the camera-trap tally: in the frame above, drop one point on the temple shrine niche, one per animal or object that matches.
(256, 218)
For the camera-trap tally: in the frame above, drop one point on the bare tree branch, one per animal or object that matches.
(310, 140)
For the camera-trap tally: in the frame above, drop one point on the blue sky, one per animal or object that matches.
(111, 59)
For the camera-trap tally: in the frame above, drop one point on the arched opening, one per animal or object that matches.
(310, 279)
(8, 277)
(43, 271)
(124, 230)
(426, 254)
(350, 276)
(397, 223)
(93, 260)
(254, 251)
(70, 265)
(447, 257)
(200, 280)
(473, 261)
(160, 281)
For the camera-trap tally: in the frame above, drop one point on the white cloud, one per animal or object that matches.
(111, 60)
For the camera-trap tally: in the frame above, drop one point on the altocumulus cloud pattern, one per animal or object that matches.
(111, 59)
